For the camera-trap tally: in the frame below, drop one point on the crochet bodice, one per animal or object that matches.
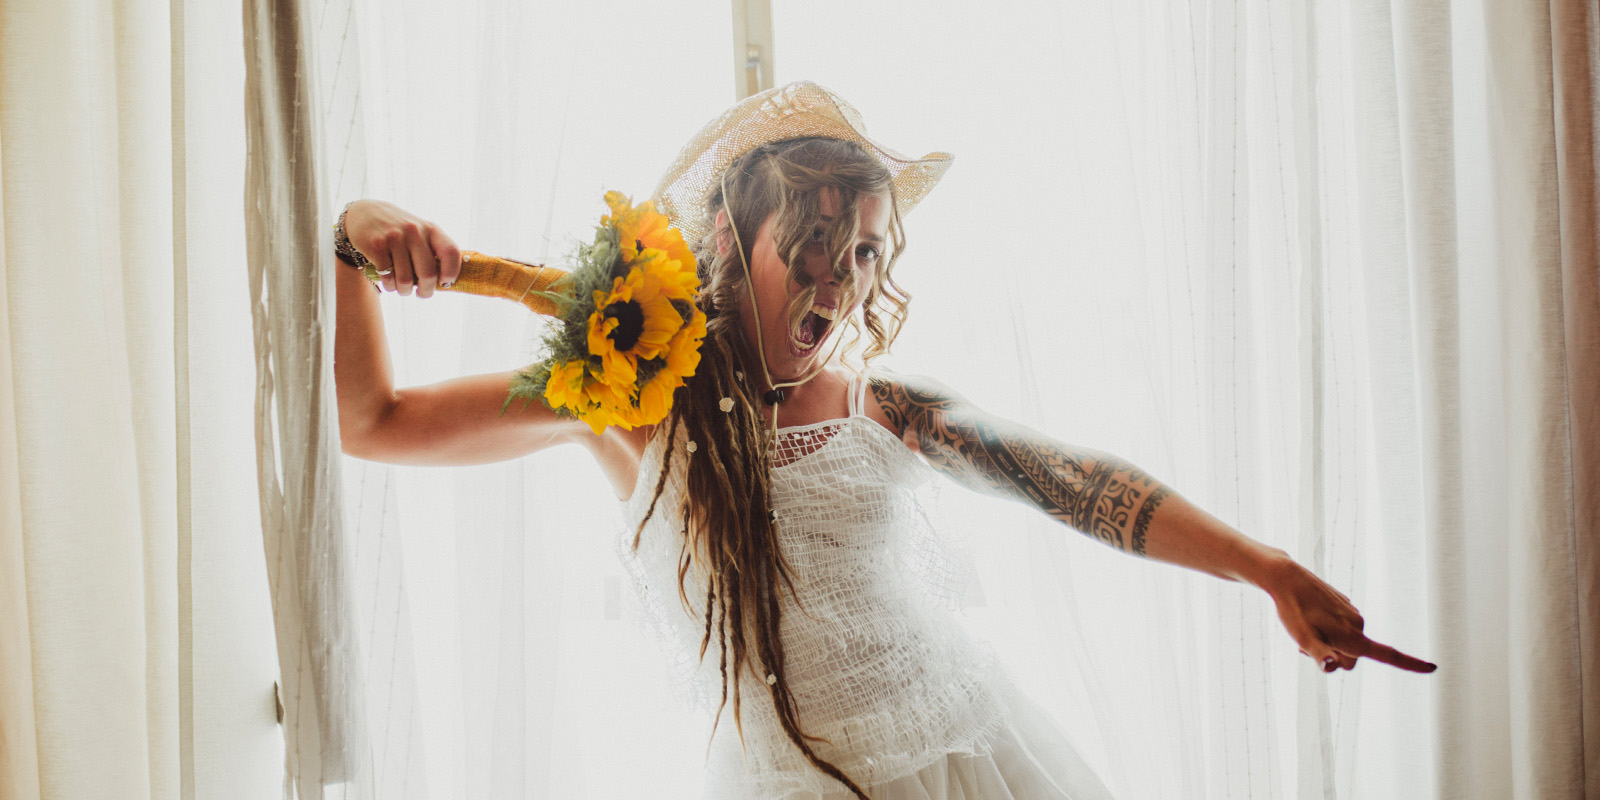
(876, 662)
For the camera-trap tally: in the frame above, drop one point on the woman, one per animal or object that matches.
(781, 558)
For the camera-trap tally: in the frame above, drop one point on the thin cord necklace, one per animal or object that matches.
(773, 396)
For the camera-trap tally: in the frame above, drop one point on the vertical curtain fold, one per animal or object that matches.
(298, 456)
(1319, 410)
(183, 442)
(91, 406)
(1424, 45)
(1575, 60)
(1391, 349)
(19, 744)
(131, 628)
(1534, 190)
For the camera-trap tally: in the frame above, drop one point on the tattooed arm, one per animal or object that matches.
(1098, 494)
(1115, 503)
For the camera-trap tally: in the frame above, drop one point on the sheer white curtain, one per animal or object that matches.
(1154, 244)
(1287, 257)
(1310, 264)
(497, 656)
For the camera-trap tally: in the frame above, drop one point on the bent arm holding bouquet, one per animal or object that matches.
(458, 422)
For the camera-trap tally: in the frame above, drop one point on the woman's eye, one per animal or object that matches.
(868, 253)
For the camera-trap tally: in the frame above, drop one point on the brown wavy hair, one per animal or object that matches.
(726, 513)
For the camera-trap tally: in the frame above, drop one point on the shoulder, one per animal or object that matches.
(910, 396)
(911, 403)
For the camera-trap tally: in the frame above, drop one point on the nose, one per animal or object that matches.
(830, 275)
(825, 274)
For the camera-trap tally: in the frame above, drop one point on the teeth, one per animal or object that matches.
(821, 311)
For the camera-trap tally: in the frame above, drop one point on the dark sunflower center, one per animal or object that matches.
(630, 324)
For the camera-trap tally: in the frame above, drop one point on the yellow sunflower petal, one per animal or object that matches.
(646, 227)
(628, 417)
(607, 405)
(683, 353)
(656, 397)
(597, 420)
(565, 386)
(619, 205)
(670, 277)
(618, 370)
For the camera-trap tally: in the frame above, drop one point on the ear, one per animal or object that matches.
(724, 241)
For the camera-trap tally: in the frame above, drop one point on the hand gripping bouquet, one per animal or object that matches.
(630, 331)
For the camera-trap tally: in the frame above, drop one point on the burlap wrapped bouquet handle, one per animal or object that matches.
(519, 281)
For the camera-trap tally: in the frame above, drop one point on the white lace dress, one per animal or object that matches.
(910, 706)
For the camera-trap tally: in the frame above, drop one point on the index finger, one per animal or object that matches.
(1388, 655)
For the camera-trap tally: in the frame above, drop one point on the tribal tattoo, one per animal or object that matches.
(1102, 497)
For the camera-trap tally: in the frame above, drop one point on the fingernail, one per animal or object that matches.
(446, 284)
(1327, 664)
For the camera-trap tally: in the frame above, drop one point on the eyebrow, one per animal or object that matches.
(871, 237)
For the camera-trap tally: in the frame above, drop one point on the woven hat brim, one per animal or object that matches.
(797, 110)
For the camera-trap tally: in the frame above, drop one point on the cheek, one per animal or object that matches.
(779, 288)
(865, 280)
(773, 289)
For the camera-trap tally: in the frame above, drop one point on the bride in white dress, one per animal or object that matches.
(787, 563)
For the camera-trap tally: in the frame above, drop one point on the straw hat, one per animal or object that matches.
(787, 112)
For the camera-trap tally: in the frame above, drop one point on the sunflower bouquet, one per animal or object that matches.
(630, 329)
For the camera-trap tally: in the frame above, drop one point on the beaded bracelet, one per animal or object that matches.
(347, 252)
(342, 247)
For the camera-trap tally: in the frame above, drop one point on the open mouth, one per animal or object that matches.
(813, 329)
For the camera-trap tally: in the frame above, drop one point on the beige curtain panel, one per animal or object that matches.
(136, 653)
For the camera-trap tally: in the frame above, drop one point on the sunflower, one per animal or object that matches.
(640, 229)
(622, 355)
(635, 320)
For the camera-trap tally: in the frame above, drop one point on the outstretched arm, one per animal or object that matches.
(1095, 493)
(1117, 504)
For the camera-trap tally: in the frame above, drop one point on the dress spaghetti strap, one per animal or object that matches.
(858, 393)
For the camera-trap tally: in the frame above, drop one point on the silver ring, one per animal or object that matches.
(386, 271)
